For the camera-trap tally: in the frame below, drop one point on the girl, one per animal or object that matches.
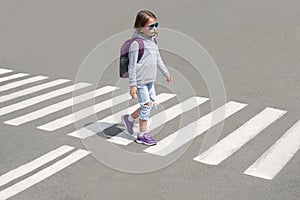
(142, 75)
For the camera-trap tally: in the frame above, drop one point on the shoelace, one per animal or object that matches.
(148, 137)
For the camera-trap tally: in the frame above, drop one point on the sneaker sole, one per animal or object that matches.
(141, 142)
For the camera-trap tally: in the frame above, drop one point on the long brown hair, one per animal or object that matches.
(142, 18)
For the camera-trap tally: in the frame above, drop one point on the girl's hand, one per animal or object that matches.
(169, 79)
(133, 92)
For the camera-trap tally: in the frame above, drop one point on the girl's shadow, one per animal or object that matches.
(108, 130)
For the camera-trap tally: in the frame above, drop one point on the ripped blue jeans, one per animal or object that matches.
(145, 94)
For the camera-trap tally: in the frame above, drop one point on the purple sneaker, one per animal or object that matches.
(128, 124)
(146, 139)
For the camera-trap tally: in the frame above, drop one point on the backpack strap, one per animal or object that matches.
(141, 47)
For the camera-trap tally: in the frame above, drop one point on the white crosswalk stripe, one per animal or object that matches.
(41, 98)
(277, 156)
(4, 71)
(11, 77)
(162, 118)
(111, 120)
(59, 106)
(188, 133)
(32, 90)
(234, 141)
(43, 174)
(26, 168)
(21, 83)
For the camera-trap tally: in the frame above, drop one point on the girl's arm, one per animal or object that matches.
(163, 68)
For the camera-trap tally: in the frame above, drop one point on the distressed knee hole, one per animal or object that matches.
(148, 104)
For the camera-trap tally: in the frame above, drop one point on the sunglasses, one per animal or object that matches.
(152, 26)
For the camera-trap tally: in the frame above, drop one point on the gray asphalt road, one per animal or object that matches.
(255, 45)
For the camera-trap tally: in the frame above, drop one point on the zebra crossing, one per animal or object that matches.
(69, 119)
(31, 90)
(11, 77)
(166, 115)
(234, 141)
(267, 166)
(21, 83)
(41, 175)
(277, 156)
(59, 106)
(186, 134)
(32, 101)
(5, 71)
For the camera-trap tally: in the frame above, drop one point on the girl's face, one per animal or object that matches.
(150, 28)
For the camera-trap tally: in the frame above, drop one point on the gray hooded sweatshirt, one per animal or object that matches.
(145, 70)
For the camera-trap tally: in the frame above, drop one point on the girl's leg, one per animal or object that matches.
(143, 137)
(151, 104)
(144, 98)
(149, 96)
(136, 113)
(143, 125)
(143, 122)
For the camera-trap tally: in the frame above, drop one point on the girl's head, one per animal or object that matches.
(146, 23)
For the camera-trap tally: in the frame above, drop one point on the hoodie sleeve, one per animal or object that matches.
(162, 66)
(133, 57)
